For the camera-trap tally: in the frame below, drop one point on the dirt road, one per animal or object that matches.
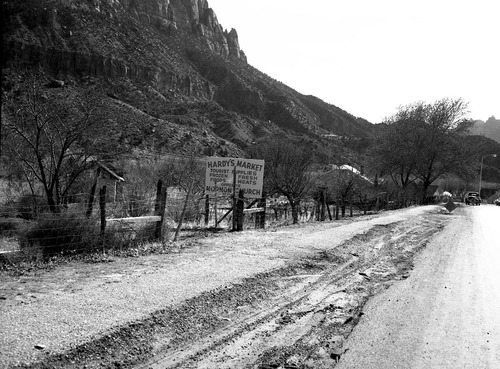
(447, 313)
(281, 298)
(310, 310)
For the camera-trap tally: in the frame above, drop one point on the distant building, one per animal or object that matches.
(106, 175)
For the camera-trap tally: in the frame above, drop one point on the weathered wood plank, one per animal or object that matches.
(253, 210)
(148, 218)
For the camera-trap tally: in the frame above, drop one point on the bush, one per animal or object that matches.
(8, 210)
(61, 234)
(138, 206)
(9, 226)
(192, 214)
(146, 233)
(29, 206)
(124, 236)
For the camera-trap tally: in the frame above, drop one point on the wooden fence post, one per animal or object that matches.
(159, 186)
(240, 204)
(160, 203)
(207, 209)
(235, 220)
(90, 204)
(337, 209)
(217, 221)
(260, 218)
(163, 206)
(102, 207)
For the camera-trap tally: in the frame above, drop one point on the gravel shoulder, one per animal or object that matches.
(79, 312)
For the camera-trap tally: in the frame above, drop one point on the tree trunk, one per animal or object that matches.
(295, 212)
(260, 219)
(426, 185)
(184, 208)
(323, 205)
(51, 202)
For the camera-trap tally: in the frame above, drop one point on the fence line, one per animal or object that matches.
(122, 224)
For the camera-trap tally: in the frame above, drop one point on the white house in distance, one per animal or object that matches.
(353, 170)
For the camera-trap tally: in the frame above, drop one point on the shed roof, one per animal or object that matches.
(113, 174)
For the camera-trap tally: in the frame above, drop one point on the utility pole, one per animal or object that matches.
(481, 171)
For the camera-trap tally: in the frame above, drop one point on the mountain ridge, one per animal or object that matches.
(490, 128)
(161, 55)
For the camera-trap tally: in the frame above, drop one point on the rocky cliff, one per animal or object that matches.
(168, 16)
(171, 60)
(116, 38)
(490, 128)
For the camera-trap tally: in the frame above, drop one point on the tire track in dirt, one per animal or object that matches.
(307, 312)
(296, 316)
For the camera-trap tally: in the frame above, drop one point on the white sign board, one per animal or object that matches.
(219, 176)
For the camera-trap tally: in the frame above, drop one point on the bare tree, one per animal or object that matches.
(444, 148)
(424, 142)
(342, 187)
(396, 147)
(51, 136)
(286, 170)
(186, 173)
(347, 185)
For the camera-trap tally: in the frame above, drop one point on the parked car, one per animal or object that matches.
(497, 202)
(472, 198)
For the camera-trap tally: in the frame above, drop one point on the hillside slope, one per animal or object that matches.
(172, 61)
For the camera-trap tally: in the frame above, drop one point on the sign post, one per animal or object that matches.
(229, 175)
(235, 215)
(215, 206)
(234, 176)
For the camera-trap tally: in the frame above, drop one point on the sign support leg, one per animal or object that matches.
(235, 220)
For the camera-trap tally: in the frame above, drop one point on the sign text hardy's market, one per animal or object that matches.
(219, 176)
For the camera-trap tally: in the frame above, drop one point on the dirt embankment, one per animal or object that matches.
(286, 310)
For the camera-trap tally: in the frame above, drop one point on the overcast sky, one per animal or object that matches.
(370, 56)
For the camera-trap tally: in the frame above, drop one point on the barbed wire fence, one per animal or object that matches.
(113, 217)
(114, 225)
(110, 222)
